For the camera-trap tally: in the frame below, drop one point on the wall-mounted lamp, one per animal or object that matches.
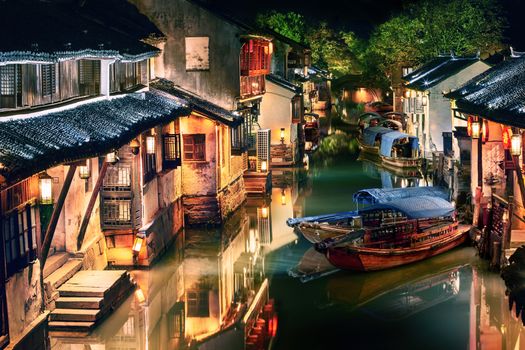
(283, 197)
(135, 146)
(515, 145)
(264, 166)
(84, 171)
(46, 188)
(112, 157)
(150, 144)
(282, 135)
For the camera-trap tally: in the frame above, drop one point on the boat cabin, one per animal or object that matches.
(384, 195)
(369, 119)
(372, 136)
(399, 145)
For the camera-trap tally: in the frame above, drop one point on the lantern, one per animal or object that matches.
(469, 125)
(270, 46)
(84, 171)
(515, 145)
(137, 244)
(407, 93)
(264, 166)
(139, 294)
(506, 134)
(485, 131)
(424, 100)
(282, 135)
(135, 146)
(46, 188)
(283, 197)
(476, 129)
(112, 157)
(150, 144)
(264, 212)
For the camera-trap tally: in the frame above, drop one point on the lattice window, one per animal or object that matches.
(7, 80)
(118, 178)
(263, 147)
(297, 109)
(194, 147)
(171, 151)
(116, 212)
(176, 321)
(48, 79)
(198, 303)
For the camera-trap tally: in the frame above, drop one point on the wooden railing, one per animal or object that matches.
(19, 194)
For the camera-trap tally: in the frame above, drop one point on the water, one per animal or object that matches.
(203, 285)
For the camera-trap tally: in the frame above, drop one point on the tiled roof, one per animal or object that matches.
(31, 144)
(436, 71)
(284, 83)
(198, 104)
(497, 94)
(49, 32)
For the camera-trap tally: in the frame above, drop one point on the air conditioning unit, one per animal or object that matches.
(263, 148)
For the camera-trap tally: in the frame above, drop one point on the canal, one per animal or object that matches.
(210, 276)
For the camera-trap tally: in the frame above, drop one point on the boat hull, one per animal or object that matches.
(412, 163)
(314, 233)
(373, 150)
(367, 259)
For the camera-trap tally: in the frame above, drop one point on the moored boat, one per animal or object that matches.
(311, 131)
(400, 150)
(405, 242)
(370, 140)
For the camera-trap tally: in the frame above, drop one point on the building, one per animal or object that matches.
(429, 112)
(492, 105)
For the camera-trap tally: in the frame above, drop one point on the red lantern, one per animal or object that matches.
(485, 131)
(506, 134)
(272, 325)
(469, 125)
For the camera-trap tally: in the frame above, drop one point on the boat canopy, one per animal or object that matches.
(384, 195)
(370, 134)
(387, 141)
(366, 117)
(421, 207)
(323, 218)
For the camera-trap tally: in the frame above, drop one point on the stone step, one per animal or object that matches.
(75, 315)
(71, 326)
(61, 275)
(80, 303)
(54, 262)
(94, 283)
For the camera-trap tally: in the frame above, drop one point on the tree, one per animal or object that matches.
(290, 24)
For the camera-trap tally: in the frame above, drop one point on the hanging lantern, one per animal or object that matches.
(270, 46)
(46, 188)
(112, 157)
(282, 135)
(515, 145)
(485, 131)
(264, 166)
(476, 129)
(469, 125)
(135, 146)
(84, 171)
(424, 100)
(283, 197)
(506, 134)
(137, 244)
(150, 144)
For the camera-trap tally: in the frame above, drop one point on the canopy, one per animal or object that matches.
(366, 117)
(384, 195)
(416, 207)
(322, 218)
(370, 134)
(387, 141)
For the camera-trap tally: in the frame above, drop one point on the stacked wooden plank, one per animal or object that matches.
(86, 299)
(257, 183)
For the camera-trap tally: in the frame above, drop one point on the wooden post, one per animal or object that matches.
(517, 168)
(48, 238)
(507, 231)
(480, 163)
(91, 204)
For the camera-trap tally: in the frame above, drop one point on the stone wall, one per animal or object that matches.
(231, 197)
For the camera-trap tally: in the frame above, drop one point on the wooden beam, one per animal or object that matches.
(48, 238)
(519, 175)
(91, 205)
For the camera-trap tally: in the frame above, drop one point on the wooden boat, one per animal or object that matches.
(368, 119)
(311, 131)
(312, 265)
(370, 140)
(400, 150)
(405, 242)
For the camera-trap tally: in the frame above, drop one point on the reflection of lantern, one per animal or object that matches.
(515, 145)
(424, 100)
(264, 212)
(506, 133)
(139, 294)
(272, 325)
(476, 129)
(112, 157)
(46, 189)
(505, 217)
(282, 135)
(137, 244)
(283, 197)
(135, 146)
(469, 126)
(150, 144)
(485, 131)
(264, 166)
(84, 171)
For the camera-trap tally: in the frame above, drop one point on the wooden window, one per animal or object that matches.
(10, 86)
(48, 79)
(297, 109)
(239, 138)
(171, 151)
(176, 321)
(116, 212)
(7, 80)
(198, 303)
(255, 58)
(89, 77)
(195, 147)
(149, 161)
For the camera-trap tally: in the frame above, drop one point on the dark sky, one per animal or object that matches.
(361, 15)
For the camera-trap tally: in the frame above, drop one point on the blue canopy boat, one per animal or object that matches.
(400, 150)
(370, 140)
(383, 195)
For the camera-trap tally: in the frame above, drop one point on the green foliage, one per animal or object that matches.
(431, 27)
(290, 24)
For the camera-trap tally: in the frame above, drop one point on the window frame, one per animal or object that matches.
(48, 81)
(171, 151)
(149, 161)
(190, 140)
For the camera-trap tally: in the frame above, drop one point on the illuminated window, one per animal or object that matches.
(195, 147)
(116, 212)
(171, 151)
(198, 303)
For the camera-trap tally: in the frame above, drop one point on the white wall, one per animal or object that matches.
(276, 112)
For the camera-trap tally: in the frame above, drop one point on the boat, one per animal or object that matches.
(399, 150)
(329, 229)
(430, 229)
(312, 265)
(370, 140)
(311, 131)
(368, 119)
(399, 117)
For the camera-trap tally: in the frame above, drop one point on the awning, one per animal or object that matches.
(370, 134)
(32, 144)
(416, 207)
(384, 195)
(388, 140)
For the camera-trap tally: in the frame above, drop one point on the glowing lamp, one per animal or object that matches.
(506, 134)
(469, 125)
(270, 47)
(150, 144)
(515, 145)
(139, 294)
(264, 212)
(407, 93)
(282, 135)
(485, 131)
(283, 197)
(505, 217)
(135, 146)
(46, 188)
(137, 244)
(112, 157)
(424, 100)
(476, 129)
(84, 171)
(264, 166)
